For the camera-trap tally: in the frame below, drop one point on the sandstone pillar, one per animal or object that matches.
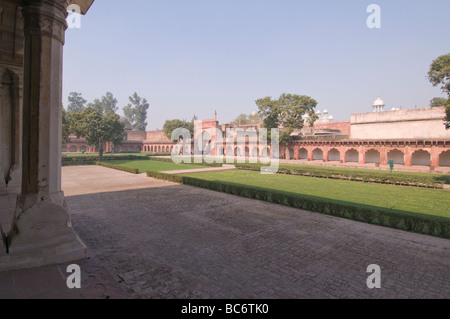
(408, 156)
(362, 155)
(434, 156)
(42, 233)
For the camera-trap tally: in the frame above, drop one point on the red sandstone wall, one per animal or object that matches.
(344, 126)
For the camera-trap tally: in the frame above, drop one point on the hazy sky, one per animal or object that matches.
(198, 56)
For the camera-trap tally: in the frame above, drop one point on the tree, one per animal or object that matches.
(76, 102)
(172, 125)
(107, 104)
(136, 112)
(439, 74)
(65, 126)
(287, 112)
(438, 101)
(97, 128)
(244, 119)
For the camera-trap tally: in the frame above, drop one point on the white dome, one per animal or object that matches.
(378, 102)
(318, 112)
(325, 112)
(331, 118)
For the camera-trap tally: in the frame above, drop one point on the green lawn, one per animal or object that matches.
(409, 199)
(348, 171)
(157, 166)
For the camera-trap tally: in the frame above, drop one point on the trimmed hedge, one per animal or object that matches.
(80, 163)
(119, 168)
(382, 177)
(94, 158)
(431, 225)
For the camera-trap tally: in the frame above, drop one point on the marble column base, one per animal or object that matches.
(42, 236)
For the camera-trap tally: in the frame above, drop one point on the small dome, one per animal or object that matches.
(325, 112)
(378, 102)
(331, 117)
(318, 112)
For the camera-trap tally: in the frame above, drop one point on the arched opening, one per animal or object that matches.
(444, 159)
(64, 149)
(255, 152)
(73, 149)
(352, 156)
(421, 157)
(334, 155)
(221, 151)
(397, 157)
(187, 150)
(303, 153)
(139, 148)
(229, 151)
(247, 152)
(265, 152)
(83, 149)
(237, 152)
(373, 156)
(289, 153)
(318, 154)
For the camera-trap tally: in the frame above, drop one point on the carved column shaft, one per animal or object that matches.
(44, 28)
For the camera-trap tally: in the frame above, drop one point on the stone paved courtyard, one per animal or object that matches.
(163, 240)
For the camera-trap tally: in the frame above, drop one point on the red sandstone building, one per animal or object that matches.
(407, 137)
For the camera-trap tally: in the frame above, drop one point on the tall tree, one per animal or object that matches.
(172, 125)
(439, 74)
(97, 128)
(136, 112)
(287, 112)
(107, 104)
(65, 126)
(76, 102)
(438, 101)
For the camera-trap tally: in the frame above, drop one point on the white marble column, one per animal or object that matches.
(42, 233)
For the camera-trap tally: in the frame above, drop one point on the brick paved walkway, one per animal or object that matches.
(163, 240)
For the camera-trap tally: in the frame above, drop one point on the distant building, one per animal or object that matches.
(407, 137)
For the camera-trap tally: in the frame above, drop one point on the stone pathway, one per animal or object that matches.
(163, 240)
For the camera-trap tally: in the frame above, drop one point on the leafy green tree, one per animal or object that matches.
(172, 125)
(76, 102)
(287, 112)
(438, 101)
(439, 74)
(244, 119)
(107, 104)
(97, 128)
(65, 126)
(136, 112)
